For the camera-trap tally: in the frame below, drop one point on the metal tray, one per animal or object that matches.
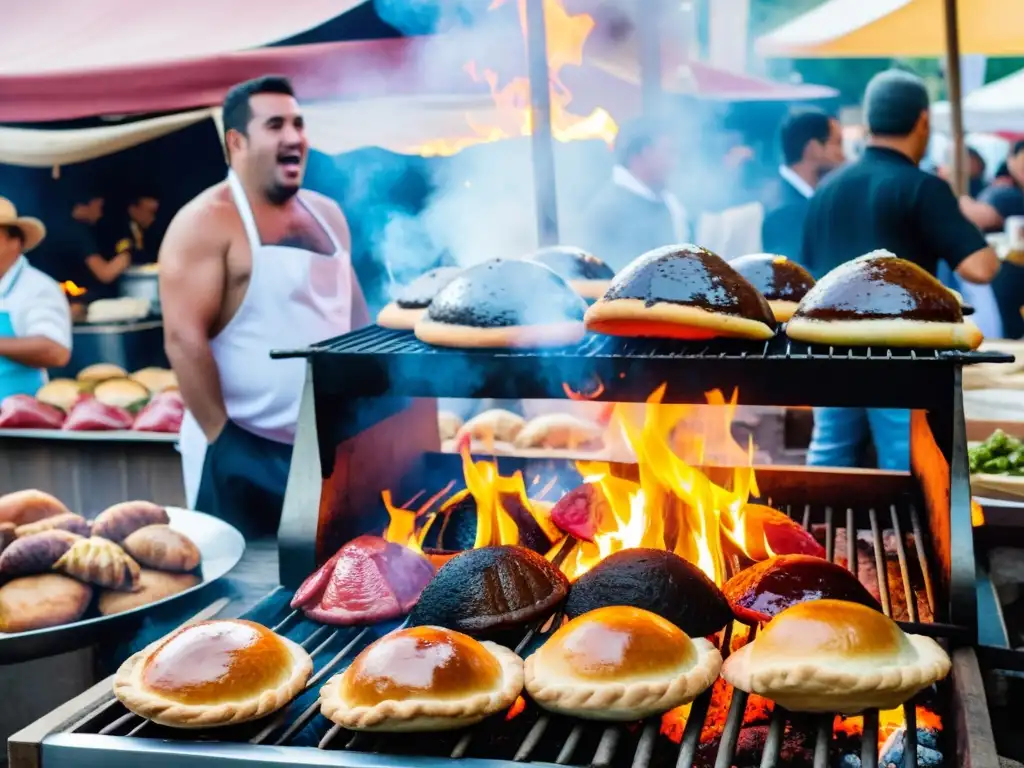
(221, 546)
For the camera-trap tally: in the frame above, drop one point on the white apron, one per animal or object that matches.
(295, 298)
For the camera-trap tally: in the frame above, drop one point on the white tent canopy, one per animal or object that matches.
(399, 124)
(998, 106)
(45, 148)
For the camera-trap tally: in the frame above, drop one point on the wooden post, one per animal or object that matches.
(648, 24)
(542, 140)
(956, 113)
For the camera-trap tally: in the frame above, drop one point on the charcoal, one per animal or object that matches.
(892, 754)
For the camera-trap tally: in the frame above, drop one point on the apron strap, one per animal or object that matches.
(244, 210)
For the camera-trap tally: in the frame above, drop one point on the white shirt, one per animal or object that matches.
(623, 178)
(37, 305)
(799, 184)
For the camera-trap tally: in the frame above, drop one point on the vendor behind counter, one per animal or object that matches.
(35, 318)
(123, 243)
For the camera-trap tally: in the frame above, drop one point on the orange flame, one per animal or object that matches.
(566, 35)
(977, 514)
(674, 505)
(71, 289)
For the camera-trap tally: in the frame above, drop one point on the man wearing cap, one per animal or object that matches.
(884, 201)
(35, 319)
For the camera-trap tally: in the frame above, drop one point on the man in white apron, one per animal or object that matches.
(35, 318)
(250, 265)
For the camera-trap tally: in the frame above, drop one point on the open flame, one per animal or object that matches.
(674, 505)
(71, 289)
(566, 35)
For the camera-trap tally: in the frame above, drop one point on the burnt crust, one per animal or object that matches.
(657, 581)
(572, 263)
(765, 590)
(420, 292)
(880, 286)
(503, 293)
(776, 277)
(692, 276)
(490, 589)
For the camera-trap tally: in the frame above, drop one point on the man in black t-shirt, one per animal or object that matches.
(884, 201)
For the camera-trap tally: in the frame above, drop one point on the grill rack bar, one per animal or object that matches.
(282, 727)
(376, 362)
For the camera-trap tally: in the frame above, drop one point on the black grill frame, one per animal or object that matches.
(377, 362)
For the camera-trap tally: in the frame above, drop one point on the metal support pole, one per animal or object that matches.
(648, 24)
(956, 114)
(542, 141)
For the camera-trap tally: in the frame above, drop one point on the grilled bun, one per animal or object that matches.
(94, 374)
(156, 380)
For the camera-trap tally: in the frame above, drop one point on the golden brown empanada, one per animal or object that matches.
(153, 586)
(121, 520)
(423, 679)
(66, 522)
(835, 656)
(495, 425)
(100, 562)
(35, 602)
(560, 431)
(36, 553)
(213, 673)
(163, 548)
(620, 663)
(22, 507)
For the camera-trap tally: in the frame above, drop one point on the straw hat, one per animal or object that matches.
(31, 228)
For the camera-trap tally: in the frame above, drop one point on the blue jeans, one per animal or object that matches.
(838, 433)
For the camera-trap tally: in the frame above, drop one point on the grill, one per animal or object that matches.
(535, 737)
(368, 422)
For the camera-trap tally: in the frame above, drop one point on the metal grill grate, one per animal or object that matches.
(537, 737)
(374, 340)
(375, 362)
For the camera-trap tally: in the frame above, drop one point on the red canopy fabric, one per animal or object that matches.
(62, 36)
(321, 71)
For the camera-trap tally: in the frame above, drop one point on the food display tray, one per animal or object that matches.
(221, 547)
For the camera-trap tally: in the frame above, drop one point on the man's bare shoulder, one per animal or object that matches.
(210, 219)
(202, 229)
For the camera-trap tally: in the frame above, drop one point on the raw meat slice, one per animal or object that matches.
(763, 524)
(89, 414)
(368, 580)
(25, 412)
(163, 413)
(580, 511)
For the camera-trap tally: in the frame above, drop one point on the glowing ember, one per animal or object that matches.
(977, 514)
(674, 505)
(71, 289)
(889, 721)
(566, 35)
(516, 709)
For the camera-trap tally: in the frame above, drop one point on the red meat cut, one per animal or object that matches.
(581, 511)
(90, 415)
(368, 580)
(25, 412)
(163, 413)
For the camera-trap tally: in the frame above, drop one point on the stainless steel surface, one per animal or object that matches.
(221, 546)
(297, 532)
(113, 436)
(142, 284)
(89, 473)
(130, 345)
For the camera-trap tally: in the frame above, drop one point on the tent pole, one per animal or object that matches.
(956, 112)
(541, 138)
(649, 22)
